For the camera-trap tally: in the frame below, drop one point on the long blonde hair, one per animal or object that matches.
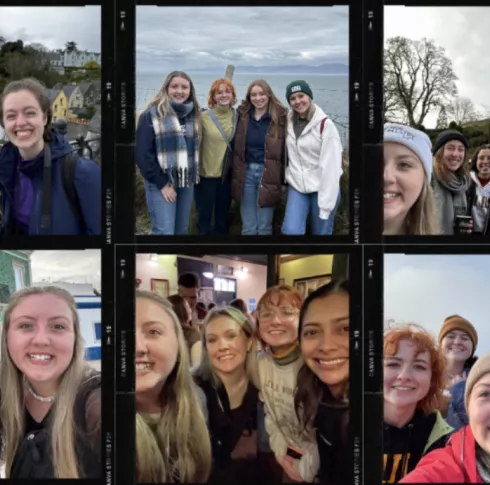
(205, 370)
(422, 219)
(175, 446)
(275, 108)
(162, 101)
(63, 427)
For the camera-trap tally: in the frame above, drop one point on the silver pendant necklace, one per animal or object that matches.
(37, 397)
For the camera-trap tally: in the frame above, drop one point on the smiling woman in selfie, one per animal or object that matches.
(168, 134)
(231, 398)
(409, 206)
(172, 440)
(451, 178)
(278, 366)
(37, 196)
(479, 191)
(50, 399)
(322, 394)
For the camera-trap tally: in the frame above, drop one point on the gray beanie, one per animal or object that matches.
(414, 139)
(479, 369)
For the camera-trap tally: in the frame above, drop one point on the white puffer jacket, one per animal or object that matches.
(315, 160)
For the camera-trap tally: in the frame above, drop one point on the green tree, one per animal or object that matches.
(71, 47)
(418, 78)
(87, 113)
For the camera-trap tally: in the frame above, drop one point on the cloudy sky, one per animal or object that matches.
(183, 37)
(427, 289)
(58, 26)
(67, 266)
(462, 32)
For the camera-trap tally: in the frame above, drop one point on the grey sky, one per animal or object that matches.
(183, 37)
(68, 266)
(53, 26)
(427, 289)
(463, 32)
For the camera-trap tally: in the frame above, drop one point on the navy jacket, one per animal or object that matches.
(146, 153)
(63, 218)
(456, 414)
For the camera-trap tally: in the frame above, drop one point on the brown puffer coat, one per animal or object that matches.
(275, 163)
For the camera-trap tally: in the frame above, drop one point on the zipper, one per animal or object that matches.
(300, 160)
(265, 160)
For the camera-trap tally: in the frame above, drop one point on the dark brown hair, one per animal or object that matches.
(310, 391)
(178, 306)
(38, 90)
(473, 166)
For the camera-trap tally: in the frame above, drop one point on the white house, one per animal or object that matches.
(79, 58)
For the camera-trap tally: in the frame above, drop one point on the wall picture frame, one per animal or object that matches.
(160, 287)
(306, 286)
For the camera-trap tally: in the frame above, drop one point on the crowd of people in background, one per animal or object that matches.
(266, 399)
(436, 405)
(434, 190)
(249, 154)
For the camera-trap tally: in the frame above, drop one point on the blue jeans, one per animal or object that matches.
(169, 218)
(255, 220)
(298, 207)
(212, 194)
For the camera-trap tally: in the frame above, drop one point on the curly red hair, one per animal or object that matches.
(215, 86)
(423, 341)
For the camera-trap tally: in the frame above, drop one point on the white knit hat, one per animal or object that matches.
(414, 139)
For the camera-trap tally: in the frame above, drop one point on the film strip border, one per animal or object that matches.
(124, 221)
(125, 344)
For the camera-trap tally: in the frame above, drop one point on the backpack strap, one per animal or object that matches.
(68, 165)
(47, 182)
(322, 124)
(220, 128)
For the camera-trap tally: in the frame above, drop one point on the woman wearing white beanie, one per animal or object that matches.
(466, 457)
(409, 207)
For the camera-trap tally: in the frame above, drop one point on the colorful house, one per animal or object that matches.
(15, 273)
(74, 95)
(59, 103)
(91, 92)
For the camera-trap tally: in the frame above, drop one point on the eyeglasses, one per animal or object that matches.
(283, 313)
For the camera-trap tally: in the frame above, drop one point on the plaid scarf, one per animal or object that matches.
(177, 146)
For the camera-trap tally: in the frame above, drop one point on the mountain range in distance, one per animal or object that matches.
(331, 68)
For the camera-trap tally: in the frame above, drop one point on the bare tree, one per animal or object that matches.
(442, 118)
(462, 110)
(418, 78)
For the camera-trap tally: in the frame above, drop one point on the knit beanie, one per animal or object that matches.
(448, 135)
(414, 139)
(298, 87)
(456, 322)
(479, 369)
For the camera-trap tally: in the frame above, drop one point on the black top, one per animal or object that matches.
(404, 447)
(33, 458)
(233, 434)
(332, 435)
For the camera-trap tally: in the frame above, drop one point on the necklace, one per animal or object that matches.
(35, 396)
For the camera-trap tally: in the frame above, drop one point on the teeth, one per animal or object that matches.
(23, 133)
(403, 388)
(331, 362)
(40, 357)
(144, 366)
(276, 332)
(390, 195)
(226, 357)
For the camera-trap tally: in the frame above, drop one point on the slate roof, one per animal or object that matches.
(52, 94)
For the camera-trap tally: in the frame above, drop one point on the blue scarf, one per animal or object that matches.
(177, 146)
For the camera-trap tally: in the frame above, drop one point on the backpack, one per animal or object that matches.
(68, 164)
(322, 124)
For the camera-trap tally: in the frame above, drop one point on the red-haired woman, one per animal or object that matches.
(259, 158)
(412, 389)
(218, 129)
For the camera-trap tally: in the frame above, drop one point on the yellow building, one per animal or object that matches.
(59, 103)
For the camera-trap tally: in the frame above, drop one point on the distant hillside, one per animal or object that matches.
(331, 68)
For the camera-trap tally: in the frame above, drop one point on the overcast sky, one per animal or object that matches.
(183, 37)
(463, 32)
(67, 266)
(52, 26)
(427, 289)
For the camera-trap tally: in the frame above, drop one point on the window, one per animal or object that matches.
(19, 277)
(56, 107)
(98, 331)
(225, 284)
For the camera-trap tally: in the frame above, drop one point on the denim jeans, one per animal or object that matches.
(298, 207)
(255, 220)
(169, 218)
(212, 194)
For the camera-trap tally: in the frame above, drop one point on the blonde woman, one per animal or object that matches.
(259, 158)
(50, 399)
(172, 441)
(451, 179)
(409, 207)
(231, 398)
(167, 153)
